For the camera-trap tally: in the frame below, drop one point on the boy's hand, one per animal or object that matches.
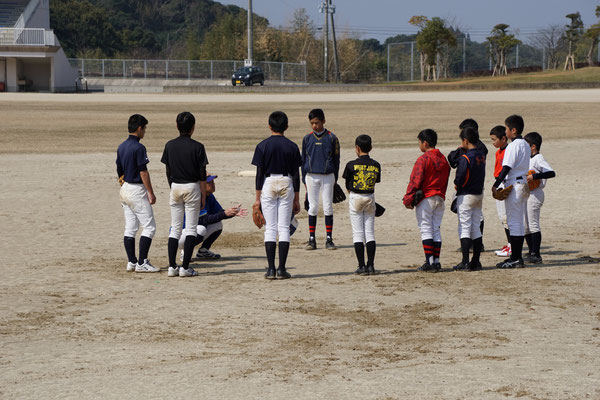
(409, 206)
(296, 208)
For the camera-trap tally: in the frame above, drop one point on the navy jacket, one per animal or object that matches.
(470, 173)
(320, 155)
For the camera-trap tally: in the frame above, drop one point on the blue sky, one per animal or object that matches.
(383, 18)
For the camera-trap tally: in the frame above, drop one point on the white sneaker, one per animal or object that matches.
(173, 271)
(505, 251)
(131, 266)
(146, 267)
(187, 272)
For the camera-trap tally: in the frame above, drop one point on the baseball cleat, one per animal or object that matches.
(504, 252)
(510, 263)
(131, 266)
(329, 245)
(282, 273)
(207, 254)
(173, 271)
(146, 267)
(311, 245)
(475, 266)
(425, 267)
(187, 272)
(360, 270)
(370, 270)
(270, 273)
(461, 266)
(436, 267)
(534, 259)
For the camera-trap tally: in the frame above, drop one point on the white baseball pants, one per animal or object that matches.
(320, 184)
(362, 217)
(137, 210)
(469, 215)
(277, 201)
(204, 231)
(430, 212)
(185, 199)
(534, 207)
(501, 208)
(516, 207)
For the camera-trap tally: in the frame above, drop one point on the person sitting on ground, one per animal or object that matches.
(210, 225)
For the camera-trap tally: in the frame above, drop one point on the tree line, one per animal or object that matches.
(205, 29)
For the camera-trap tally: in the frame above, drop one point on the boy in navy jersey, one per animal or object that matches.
(137, 195)
(320, 168)
(470, 176)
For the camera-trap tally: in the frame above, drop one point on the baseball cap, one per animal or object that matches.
(210, 178)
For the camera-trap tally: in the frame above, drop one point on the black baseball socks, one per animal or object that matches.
(329, 225)
(371, 247)
(145, 243)
(312, 224)
(428, 248)
(359, 249)
(129, 243)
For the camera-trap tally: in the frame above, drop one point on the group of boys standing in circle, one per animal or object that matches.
(281, 167)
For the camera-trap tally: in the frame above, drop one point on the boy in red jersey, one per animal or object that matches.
(500, 141)
(430, 176)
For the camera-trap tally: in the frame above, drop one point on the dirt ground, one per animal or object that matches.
(74, 324)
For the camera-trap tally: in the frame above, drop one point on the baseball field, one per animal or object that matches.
(74, 324)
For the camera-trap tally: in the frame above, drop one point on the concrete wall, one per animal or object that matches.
(63, 74)
(11, 75)
(40, 17)
(3, 72)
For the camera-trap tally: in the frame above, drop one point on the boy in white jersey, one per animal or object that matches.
(539, 171)
(515, 165)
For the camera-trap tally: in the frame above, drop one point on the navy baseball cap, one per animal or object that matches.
(211, 178)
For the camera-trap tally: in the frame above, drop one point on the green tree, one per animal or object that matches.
(501, 42)
(592, 34)
(83, 28)
(433, 42)
(573, 33)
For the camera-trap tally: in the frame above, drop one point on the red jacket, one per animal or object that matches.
(430, 174)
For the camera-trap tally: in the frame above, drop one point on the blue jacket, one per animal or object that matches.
(470, 173)
(320, 155)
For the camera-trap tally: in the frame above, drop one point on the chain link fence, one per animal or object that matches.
(184, 69)
(463, 60)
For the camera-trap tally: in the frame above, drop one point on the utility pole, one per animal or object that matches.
(335, 53)
(325, 9)
(250, 40)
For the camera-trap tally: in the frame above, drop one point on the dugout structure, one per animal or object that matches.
(31, 58)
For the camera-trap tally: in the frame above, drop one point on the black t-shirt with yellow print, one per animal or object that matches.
(362, 174)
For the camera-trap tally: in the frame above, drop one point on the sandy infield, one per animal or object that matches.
(74, 324)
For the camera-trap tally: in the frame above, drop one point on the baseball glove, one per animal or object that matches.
(534, 184)
(379, 210)
(121, 180)
(502, 194)
(258, 217)
(453, 205)
(418, 197)
(338, 194)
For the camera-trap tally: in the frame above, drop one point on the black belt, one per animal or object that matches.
(519, 177)
(267, 175)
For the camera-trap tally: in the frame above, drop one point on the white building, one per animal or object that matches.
(31, 58)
